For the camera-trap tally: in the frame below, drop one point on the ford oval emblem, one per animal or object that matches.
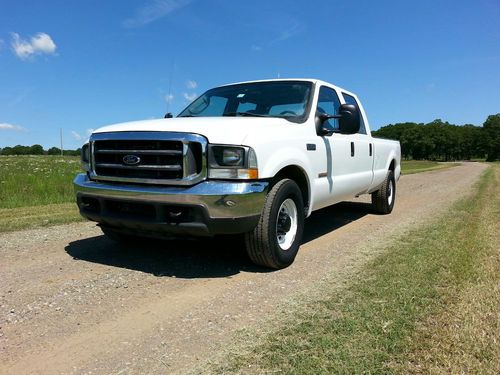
(131, 159)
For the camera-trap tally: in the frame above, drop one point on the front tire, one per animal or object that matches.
(276, 239)
(383, 199)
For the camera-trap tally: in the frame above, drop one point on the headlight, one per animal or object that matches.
(229, 156)
(232, 162)
(85, 157)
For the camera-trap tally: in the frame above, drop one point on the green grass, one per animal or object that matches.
(38, 216)
(37, 191)
(428, 304)
(37, 180)
(416, 166)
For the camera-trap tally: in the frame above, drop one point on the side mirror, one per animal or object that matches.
(168, 115)
(349, 119)
(323, 128)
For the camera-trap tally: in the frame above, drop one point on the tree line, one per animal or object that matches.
(36, 150)
(443, 141)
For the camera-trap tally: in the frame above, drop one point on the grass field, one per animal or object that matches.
(36, 180)
(37, 191)
(429, 304)
(416, 166)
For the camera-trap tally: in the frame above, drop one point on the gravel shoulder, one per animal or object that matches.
(72, 301)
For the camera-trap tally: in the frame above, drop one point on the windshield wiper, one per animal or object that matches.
(250, 114)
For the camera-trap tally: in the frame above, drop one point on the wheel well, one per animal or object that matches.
(392, 166)
(295, 173)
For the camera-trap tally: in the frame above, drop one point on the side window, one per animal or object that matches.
(350, 100)
(329, 103)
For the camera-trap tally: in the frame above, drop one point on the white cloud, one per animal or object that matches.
(38, 44)
(43, 42)
(190, 84)
(190, 97)
(154, 10)
(6, 126)
(256, 48)
(76, 136)
(168, 98)
(290, 31)
(2, 43)
(89, 132)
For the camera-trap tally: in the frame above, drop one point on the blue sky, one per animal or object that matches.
(78, 65)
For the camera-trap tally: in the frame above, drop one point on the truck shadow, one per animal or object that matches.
(206, 258)
(333, 217)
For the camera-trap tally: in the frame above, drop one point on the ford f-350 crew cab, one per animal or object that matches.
(254, 158)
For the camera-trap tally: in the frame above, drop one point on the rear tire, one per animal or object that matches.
(383, 199)
(276, 239)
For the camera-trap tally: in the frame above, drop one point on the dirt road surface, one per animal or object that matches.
(74, 302)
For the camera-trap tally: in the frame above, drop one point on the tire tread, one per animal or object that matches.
(257, 241)
(379, 197)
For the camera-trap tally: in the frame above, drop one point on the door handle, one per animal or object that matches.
(352, 148)
(371, 149)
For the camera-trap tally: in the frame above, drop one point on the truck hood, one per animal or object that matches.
(225, 130)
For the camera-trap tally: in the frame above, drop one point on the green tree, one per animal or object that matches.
(7, 151)
(492, 137)
(73, 152)
(20, 150)
(54, 151)
(36, 150)
(437, 140)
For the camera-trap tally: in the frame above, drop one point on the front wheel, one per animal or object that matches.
(383, 199)
(275, 241)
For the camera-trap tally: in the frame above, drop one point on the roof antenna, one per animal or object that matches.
(169, 97)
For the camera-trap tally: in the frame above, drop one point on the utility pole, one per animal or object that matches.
(61, 142)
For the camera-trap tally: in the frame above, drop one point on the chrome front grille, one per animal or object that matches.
(148, 157)
(156, 159)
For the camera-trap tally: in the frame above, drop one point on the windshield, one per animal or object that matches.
(287, 99)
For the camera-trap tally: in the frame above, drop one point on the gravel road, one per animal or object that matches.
(74, 302)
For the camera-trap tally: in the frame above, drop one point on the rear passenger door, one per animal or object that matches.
(337, 179)
(362, 151)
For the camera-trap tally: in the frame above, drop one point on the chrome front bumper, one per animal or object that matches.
(208, 208)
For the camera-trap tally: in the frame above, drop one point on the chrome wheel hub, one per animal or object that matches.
(286, 224)
(390, 193)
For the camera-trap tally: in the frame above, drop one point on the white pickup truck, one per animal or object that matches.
(253, 158)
